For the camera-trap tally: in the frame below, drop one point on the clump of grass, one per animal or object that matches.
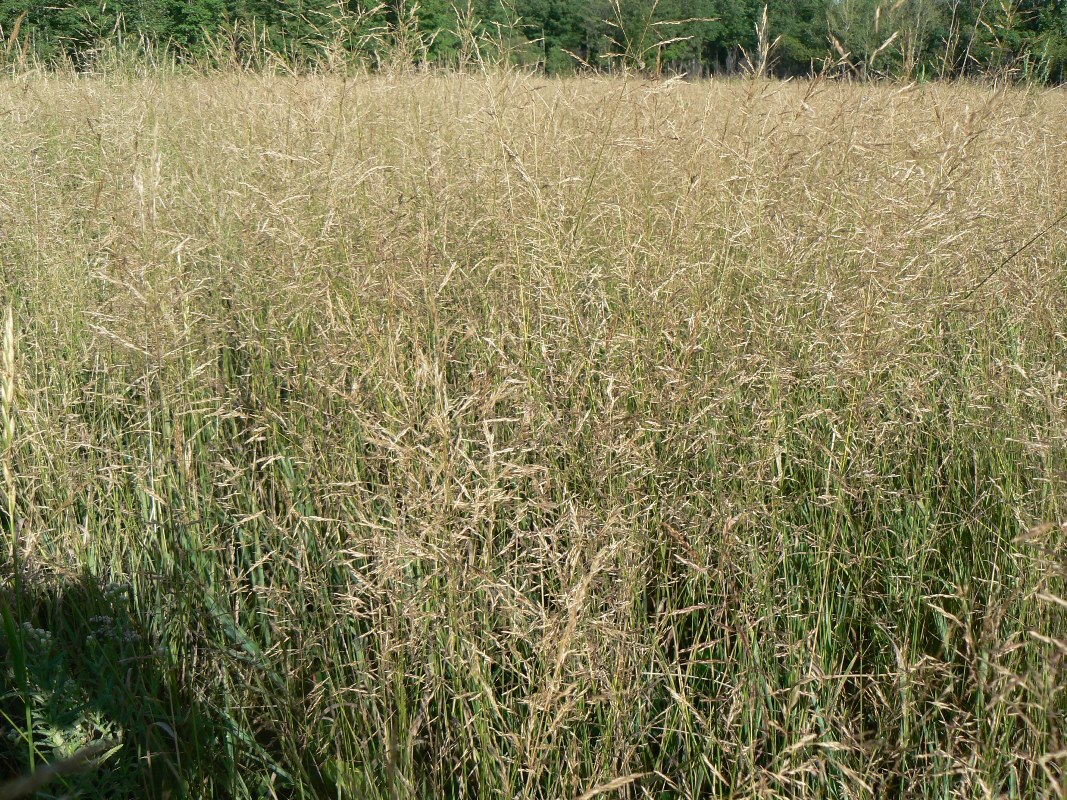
(488, 435)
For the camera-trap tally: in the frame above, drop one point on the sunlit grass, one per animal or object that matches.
(450, 435)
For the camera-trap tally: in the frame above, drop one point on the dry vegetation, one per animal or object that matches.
(491, 436)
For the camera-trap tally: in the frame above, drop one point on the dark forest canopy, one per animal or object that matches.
(905, 38)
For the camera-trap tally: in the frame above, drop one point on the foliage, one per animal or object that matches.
(911, 38)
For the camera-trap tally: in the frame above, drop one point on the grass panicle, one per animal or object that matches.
(485, 435)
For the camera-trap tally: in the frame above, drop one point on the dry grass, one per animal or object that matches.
(493, 436)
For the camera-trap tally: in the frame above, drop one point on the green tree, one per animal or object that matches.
(802, 30)
(71, 30)
(1051, 43)
(735, 32)
(909, 38)
(193, 21)
(555, 27)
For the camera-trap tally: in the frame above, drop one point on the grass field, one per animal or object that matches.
(493, 436)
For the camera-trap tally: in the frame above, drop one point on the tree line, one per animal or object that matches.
(913, 39)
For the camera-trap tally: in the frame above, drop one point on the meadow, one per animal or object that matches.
(484, 435)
